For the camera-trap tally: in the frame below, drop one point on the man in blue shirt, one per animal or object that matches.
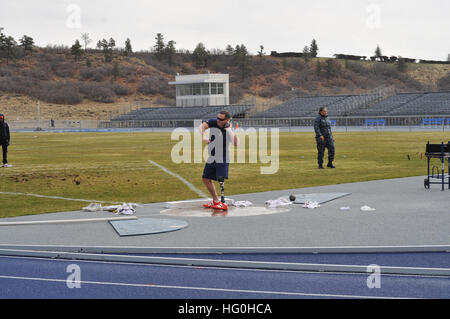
(324, 138)
(221, 134)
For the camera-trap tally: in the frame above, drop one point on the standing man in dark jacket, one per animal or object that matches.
(324, 138)
(4, 139)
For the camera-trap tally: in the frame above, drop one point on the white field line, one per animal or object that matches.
(58, 197)
(188, 184)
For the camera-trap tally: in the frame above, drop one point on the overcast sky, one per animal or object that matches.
(409, 28)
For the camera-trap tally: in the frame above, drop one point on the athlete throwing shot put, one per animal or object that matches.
(216, 168)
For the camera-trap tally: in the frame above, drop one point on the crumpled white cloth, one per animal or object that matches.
(274, 203)
(93, 207)
(242, 203)
(124, 209)
(311, 205)
(366, 208)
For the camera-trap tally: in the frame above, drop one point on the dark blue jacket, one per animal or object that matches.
(4, 133)
(322, 127)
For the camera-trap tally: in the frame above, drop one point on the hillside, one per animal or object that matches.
(90, 88)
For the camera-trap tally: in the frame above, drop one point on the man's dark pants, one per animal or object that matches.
(5, 151)
(328, 143)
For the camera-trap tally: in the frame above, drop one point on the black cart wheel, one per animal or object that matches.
(426, 183)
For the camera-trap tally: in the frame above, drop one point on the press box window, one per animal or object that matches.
(216, 88)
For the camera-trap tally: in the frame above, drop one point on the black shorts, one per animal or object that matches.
(214, 170)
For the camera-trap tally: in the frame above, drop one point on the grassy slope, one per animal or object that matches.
(18, 107)
(114, 167)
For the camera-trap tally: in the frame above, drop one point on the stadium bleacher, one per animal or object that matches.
(427, 104)
(386, 105)
(369, 105)
(182, 113)
(300, 107)
(431, 103)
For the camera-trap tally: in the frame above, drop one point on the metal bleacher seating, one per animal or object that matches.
(388, 105)
(403, 104)
(182, 113)
(301, 107)
(427, 104)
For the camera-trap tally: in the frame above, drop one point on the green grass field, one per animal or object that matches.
(114, 167)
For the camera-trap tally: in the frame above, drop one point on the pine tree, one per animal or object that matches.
(7, 46)
(200, 56)
(27, 43)
(107, 48)
(170, 52)
(261, 51)
(159, 46)
(314, 49)
(76, 49)
(128, 49)
(378, 53)
(229, 50)
(243, 60)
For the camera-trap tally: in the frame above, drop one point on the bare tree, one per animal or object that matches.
(85, 37)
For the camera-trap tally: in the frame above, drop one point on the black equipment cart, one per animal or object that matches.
(442, 152)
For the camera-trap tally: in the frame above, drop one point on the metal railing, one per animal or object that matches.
(421, 122)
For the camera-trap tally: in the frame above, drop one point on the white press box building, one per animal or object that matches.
(202, 89)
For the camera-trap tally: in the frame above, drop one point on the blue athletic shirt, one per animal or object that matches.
(222, 133)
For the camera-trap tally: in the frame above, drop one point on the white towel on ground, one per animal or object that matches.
(277, 203)
(311, 205)
(242, 203)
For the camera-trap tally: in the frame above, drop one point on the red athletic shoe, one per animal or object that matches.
(220, 205)
(210, 204)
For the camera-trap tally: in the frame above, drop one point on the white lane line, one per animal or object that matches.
(149, 285)
(188, 184)
(65, 221)
(215, 267)
(57, 197)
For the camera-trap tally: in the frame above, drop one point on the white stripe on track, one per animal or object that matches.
(188, 184)
(265, 292)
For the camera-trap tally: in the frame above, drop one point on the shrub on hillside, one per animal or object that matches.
(153, 84)
(98, 74)
(150, 59)
(59, 93)
(18, 84)
(49, 57)
(306, 80)
(444, 83)
(97, 92)
(41, 72)
(62, 70)
(296, 64)
(120, 90)
(356, 67)
(236, 93)
(276, 89)
(265, 67)
(8, 70)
